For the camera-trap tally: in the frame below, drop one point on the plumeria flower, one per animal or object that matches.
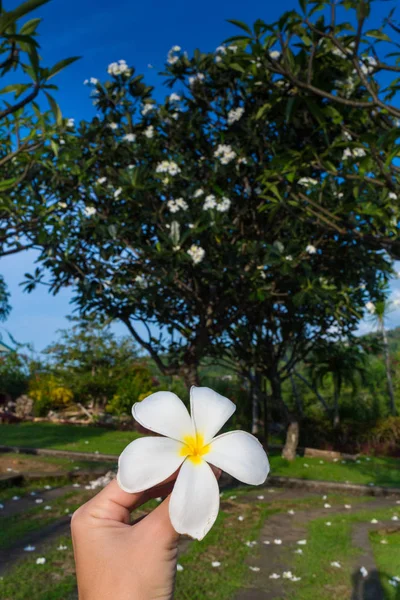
(260, 497)
(307, 181)
(199, 192)
(196, 253)
(326, 505)
(89, 211)
(291, 512)
(149, 132)
(240, 518)
(374, 521)
(370, 306)
(39, 500)
(40, 561)
(278, 542)
(310, 249)
(147, 108)
(395, 518)
(191, 446)
(101, 180)
(235, 115)
(328, 523)
(275, 54)
(71, 123)
(215, 564)
(336, 564)
(129, 137)
(302, 542)
(347, 506)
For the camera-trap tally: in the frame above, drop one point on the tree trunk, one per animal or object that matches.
(296, 394)
(336, 393)
(392, 404)
(292, 441)
(255, 403)
(190, 375)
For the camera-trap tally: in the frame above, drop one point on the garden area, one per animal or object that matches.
(237, 213)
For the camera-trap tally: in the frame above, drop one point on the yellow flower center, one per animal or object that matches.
(194, 448)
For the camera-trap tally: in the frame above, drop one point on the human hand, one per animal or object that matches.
(119, 561)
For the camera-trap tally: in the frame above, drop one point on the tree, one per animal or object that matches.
(91, 361)
(379, 312)
(344, 363)
(159, 217)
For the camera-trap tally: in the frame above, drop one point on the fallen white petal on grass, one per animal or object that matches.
(215, 564)
(298, 551)
(159, 499)
(328, 523)
(274, 576)
(374, 521)
(363, 571)
(47, 487)
(29, 548)
(240, 518)
(287, 574)
(255, 569)
(295, 579)
(347, 506)
(260, 497)
(395, 518)
(336, 564)
(397, 501)
(326, 505)
(306, 465)
(384, 542)
(48, 507)
(302, 542)
(266, 542)
(251, 544)
(291, 512)
(179, 567)
(61, 547)
(393, 582)
(76, 485)
(39, 500)
(232, 497)
(41, 560)
(15, 498)
(32, 494)
(278, 542)
(324, 497)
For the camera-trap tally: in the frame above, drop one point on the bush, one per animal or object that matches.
(48, 393)
(384, 438)
(138, 384)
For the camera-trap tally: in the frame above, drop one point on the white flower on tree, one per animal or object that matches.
(353, 153)
(168, 166)
(118, 68)
(224, 205)
(174, 97)
(392, 196)
(171, 57)
(141, 281)
(147, 108)
(370, 306)
(71, 123)
(225, 154)
(176, 205)
(101, 180)
(113, 126)
(129, 137)
(275, 54)
(210, 202)
(198, 78)
(190, 445)
(235, 115)
(89, 211)
(307, 181)
(117, 193)
(149, 131)
(220, 50)
(94, 81)
(311, 249)
(199, 192)
(197, 254)
(369, 64)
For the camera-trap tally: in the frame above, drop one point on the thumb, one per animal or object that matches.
(157, 525)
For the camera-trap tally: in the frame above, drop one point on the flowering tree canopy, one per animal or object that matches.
(240, 215)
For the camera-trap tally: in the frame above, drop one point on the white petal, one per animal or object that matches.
(210, 411)
(147, 462)
(241, 455)
(194, 500)
(165, 413)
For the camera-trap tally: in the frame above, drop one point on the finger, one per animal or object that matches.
(157, 525)
(113, 503)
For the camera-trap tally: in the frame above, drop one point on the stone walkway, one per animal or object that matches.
(27, 502)
(273, 558)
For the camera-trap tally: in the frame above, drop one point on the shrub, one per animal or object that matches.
(137, 384)
(48, 393)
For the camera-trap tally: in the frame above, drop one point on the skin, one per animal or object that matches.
(117, 560)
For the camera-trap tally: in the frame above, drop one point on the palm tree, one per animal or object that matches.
(379, 313)
(345, 363)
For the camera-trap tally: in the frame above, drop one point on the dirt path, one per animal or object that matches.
(274, 558)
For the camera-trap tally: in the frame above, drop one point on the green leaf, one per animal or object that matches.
(379, 35)
(55, 108)
(289, 109)
(241, 25)
(237, 67)
(7, 183)
(12, 16)
(54, 147)
(262, 110)
(29, 27)
(15, 87)
(303, 5)
(61, 65)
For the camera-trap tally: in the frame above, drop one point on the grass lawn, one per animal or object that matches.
(319, 579)
(387, 557)
(66, 437)
(379, 471)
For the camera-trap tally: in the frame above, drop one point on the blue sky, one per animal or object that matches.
(141, 33)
